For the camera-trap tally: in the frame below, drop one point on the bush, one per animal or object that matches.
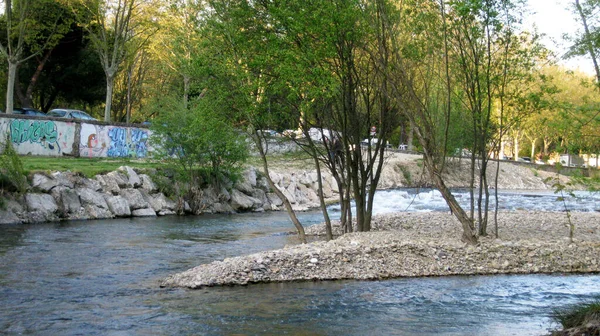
(199, 141)
(12, 174)
(578, 315)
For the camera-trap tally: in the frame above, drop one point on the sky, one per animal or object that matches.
(555, 18)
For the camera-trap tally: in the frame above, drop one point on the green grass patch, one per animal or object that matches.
(86, 166)
(578, 314)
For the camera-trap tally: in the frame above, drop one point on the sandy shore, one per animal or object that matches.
(417, 244)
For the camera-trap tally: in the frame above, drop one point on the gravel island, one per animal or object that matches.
(414, 245)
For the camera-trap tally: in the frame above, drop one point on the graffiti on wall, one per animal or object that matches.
(41, 137)
(93, 141)
(113, 141)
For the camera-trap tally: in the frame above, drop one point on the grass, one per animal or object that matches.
(578, 314)
(90, 167)
(86, 166)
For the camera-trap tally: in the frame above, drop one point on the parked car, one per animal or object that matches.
(28, 111)
(70, 114)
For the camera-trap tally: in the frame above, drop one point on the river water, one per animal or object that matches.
(101, 278)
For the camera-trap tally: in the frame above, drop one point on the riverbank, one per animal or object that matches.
(414, 245)
(129, 192)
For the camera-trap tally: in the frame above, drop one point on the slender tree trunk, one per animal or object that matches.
(110, 83)
(10, 86)
(328, 230)
(186, 90)
(516, 149)
(28, 99)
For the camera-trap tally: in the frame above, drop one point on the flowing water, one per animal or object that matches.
(101, 278)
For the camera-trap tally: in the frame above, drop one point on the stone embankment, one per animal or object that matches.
(125, 193)
(130, 193)
(416, 244)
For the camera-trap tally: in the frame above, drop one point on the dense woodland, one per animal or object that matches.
(437, 75)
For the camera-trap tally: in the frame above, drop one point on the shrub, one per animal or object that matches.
(578, 314)
(12, 174)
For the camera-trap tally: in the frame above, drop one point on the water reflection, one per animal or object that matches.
(101, 277)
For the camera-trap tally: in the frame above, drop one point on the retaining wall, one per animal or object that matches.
(69, 137)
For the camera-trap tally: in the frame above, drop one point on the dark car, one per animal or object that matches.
(70, 114)
(28, 111)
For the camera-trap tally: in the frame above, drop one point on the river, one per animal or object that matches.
(101, 278)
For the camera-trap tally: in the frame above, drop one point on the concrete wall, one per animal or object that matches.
(113, 141)
(68, 137)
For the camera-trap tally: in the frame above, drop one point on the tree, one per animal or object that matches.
(588, 41)
(35, 26)
(116, 29)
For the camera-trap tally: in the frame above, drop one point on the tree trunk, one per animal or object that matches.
(28, 99)
(186, 90)
(110, 83)
(533, 149)
(516, 148)
(588, 41)
(322, 198)
(10, 86)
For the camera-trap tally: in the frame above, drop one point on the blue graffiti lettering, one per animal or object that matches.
(118, 143)
(139, 139)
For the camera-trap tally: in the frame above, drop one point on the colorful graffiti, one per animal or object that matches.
(41, 137)
(113, 141)
(127, 142)
(93, 141)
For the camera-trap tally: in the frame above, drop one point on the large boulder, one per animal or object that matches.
(133, 180)
(94, 212)
(109, 184)
(241, 201)
(91, 197)
(41, 202)
(118, 205)
(8, 217)
(158, 202)
(43, 182)
(274, 199)
(147, 183)
(41, 208)
(135, 199)
(66, 179)
(67, 199)
(121, 179)
(143, 213)
(249, 175)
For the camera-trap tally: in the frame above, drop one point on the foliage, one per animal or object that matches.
(578, 315)
(12, 174)
(198, 140)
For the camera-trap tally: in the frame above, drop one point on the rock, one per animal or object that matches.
(66, 179)
(158, 202)
(263, 184)
(119, 178)
(133, 180)
(92, 184)
(275, 177)
(43, 182)
(8, 217)
(274, 199)
(241, 201)
(90, 197)
(41, 202)
(222, 208)
(135, 198)
(109, 184)
(68, 201)
(249, 175)
(224, 195)
(94, 212)
(166, 212)
(147, 212)
(147, 183)
(118, 205)
(244, 186)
